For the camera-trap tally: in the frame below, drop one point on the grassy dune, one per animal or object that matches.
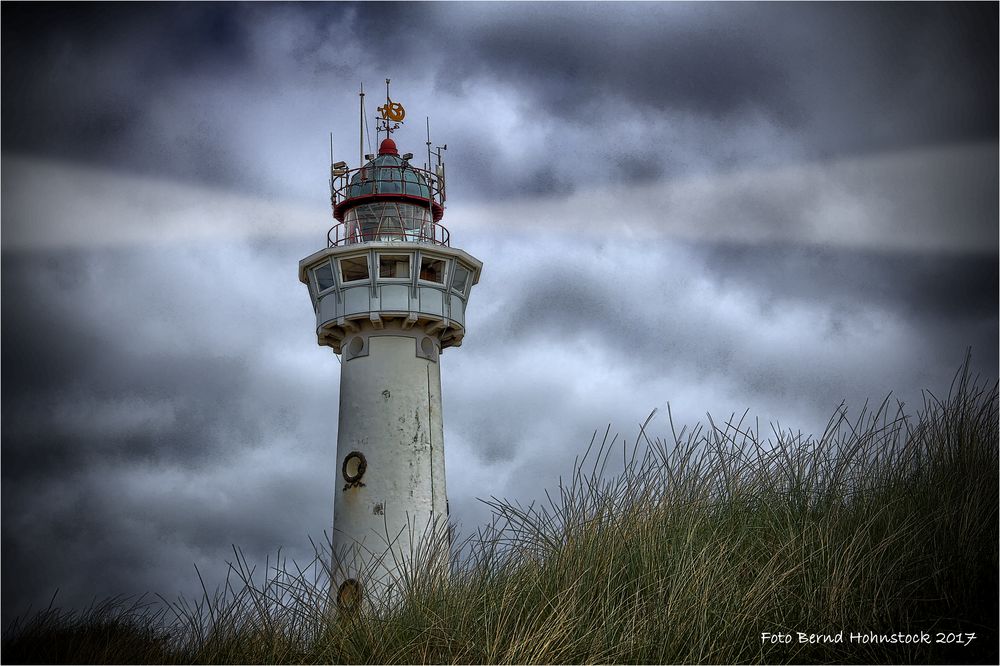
(884, 523)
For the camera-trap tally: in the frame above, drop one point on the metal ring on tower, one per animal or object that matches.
(354, 466)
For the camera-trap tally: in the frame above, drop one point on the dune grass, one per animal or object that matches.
(693, 548)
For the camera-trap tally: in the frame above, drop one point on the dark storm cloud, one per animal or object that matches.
(138, 416)
(92, 81)
(58, 358)
(156, 87)
(576, 300)
(722, 60)
(650, 55)
(120, 84)
(925, 285)
(86, 76)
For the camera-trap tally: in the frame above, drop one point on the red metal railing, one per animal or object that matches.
(366, 184)
(389, 184)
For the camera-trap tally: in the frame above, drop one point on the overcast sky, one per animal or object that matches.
(717, 206)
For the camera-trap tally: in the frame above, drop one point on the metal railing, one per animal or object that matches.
(350, 233)
(367, 183)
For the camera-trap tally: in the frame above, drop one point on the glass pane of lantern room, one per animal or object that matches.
(389, 228)
(415, 220)
(432, 269)
(393, 266)
(389, 181)
(368, 220)
(324, 276)
(354, 268)
(377, 221)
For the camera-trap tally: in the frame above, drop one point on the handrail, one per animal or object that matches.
(350, 233)
(340, 182)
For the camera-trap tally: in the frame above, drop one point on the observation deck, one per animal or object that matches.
(390, 284)
(388, 261)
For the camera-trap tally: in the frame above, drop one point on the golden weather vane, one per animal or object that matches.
(391, 114)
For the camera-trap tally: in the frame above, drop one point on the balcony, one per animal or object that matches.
(388, 229)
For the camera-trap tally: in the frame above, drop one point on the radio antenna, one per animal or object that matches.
(439, 171)
(361, 137)
(428, 142)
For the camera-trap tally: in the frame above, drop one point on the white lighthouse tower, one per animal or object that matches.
(390, 294)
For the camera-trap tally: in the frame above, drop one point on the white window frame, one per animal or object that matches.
(468, 279)
(340, 269)
(394, 253)
(314, 281)
(443, 284)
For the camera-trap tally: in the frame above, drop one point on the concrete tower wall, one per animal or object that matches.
(389, 309)
(390, 414)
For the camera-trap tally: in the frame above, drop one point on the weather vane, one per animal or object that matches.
(391, 114)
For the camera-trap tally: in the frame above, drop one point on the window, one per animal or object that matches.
(393, 266)
(324, 276)
(354, 269)
(461, 278)
(432, 269)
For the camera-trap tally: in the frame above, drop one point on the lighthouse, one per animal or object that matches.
(390, 294)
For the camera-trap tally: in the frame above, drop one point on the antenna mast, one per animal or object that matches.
(428, 142)
(361, 135)
(439, 171)
(388, 102)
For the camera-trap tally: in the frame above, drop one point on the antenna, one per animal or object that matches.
(368, 135)
(428, 142)
(331, 164)
(440, 172)
(361, 140)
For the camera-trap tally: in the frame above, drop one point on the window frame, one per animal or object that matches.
(395, 253)
(468, 278)
(314, 279)
(340, 273)
(443, 284)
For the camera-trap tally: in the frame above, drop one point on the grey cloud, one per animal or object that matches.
(647, 55)
(142, 425)
(58, 357)
(872, 61)
(668, 307)
(765, 83)
(176, 89)
(925, 285)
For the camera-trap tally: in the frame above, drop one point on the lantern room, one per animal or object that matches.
(386, 200)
